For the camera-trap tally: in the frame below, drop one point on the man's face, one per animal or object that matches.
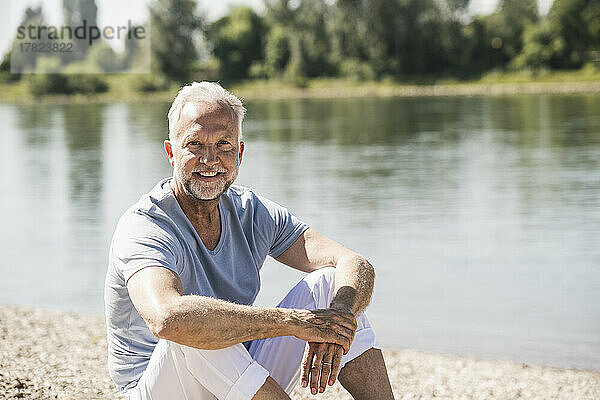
(205, 152)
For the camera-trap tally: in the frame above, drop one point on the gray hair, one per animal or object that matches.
(204, 92)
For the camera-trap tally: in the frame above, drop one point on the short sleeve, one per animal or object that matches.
(283, 228)
(140, 242)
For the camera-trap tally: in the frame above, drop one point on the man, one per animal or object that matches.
(184, 271)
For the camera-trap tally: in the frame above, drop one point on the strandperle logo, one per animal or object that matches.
(81, 32)
(82, 47)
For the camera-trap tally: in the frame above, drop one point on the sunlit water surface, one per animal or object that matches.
(481, 215)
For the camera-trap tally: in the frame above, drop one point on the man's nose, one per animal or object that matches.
(208, 156)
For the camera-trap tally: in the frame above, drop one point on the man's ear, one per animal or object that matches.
(241, 152)
(169, 150)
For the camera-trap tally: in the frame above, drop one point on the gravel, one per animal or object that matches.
(57, 355)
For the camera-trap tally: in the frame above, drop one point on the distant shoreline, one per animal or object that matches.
(318, 89)
(467, 89)
(53, 354)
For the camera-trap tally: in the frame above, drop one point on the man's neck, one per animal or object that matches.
(204, 215)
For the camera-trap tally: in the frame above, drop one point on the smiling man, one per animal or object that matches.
(184, 271)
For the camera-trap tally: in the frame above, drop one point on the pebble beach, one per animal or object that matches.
(58, 355)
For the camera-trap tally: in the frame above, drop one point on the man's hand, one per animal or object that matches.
(321, 365)
(327, 326)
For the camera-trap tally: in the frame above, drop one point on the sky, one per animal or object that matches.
(117, 12)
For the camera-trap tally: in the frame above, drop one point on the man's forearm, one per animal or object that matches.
(210, 324)
(354, 279)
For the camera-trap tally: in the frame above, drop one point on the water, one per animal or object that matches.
(481, 215)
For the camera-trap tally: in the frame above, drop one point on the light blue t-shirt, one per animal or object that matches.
(156, 232)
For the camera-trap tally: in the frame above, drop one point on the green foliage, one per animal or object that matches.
(565, 39)
(277, 52)
(295, 40)
(237, 41)
(298, 44)
(540, 47)
(149, 83)
(174, 24)
(310, 44)
(398, 37)
(506, 26)
(356, 69)
(45, 83)
(5, 75)
(577, 23)
(105, 58)
(86, 84)
(349, 40)
(50, 83)
(483, 48)
(42, 84)
(5, 64)
(591, 19)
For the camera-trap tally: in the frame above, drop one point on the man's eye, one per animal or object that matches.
(194, 143)
(223, 142)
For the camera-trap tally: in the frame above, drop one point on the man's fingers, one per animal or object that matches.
(315, 371)
(335, 367)
(307, 364)
(327, 363)
(321, 365)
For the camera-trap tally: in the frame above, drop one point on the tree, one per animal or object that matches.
(515, 16)
(483, 46)
(493, 40)
(540, 47)
(174, 23)
(564, 39)
(25, 61)
(77, 13)
(237, 40)
(277, 52)
(349, 31)
(298, 30)
(577, 24)
(397, 37)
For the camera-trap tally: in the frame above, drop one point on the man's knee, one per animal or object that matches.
(270, 390)
(315, 290)
(325, 272)
(322, 283)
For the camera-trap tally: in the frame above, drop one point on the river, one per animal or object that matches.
(480, 214)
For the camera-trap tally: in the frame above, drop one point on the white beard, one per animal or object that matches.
(203, 191)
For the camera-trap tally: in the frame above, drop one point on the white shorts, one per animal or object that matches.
(180, 372)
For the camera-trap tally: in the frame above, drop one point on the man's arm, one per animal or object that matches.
(354, 276)
(354, 279)
(208, 323)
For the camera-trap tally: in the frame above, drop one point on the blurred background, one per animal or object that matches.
(480, 213)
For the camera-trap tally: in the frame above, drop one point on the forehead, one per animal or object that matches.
(207, 117)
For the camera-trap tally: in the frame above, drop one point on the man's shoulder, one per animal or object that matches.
(155, 206)
(244, 197)
(240, 195)
(246, 200)
(240, 192)
(158, 197)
